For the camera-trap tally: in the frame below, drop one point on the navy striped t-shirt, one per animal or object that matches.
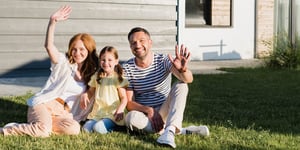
(151, 85)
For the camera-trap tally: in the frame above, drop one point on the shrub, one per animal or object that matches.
(285, 53)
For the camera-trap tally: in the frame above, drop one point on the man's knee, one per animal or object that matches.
(180, 88)
(136, 120)
(132, 118)
(180, 85)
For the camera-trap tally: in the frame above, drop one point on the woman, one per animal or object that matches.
(49, 110)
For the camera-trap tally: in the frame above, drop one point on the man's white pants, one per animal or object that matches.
(171, 111)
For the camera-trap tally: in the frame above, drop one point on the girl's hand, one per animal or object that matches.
(61, 14)
(84, 100)
(119, 116)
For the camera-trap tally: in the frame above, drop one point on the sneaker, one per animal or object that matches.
(167, 138)
(10, 124)
(201, 130)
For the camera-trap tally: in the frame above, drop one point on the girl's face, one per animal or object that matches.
(108, 62)
(79, 52)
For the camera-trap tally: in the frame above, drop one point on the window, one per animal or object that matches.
(288, 19)
(206, 13)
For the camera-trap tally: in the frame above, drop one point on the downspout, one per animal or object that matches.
(292, 23)
(255, 29)
(177, 23)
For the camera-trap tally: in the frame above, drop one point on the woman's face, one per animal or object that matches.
(79, 52)
(108, 62)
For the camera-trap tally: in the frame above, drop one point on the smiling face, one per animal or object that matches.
(108, 62)
(140, 44)
(79, 52)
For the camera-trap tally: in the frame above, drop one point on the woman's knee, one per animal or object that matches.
(67, 127)
(73, 129)
(41, 129)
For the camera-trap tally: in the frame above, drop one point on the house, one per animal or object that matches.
(211, 29)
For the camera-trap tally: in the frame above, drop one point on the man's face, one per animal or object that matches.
(140, 44)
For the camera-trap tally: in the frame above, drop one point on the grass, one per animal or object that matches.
(244, 109)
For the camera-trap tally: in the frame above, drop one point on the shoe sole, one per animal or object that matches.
(161, 143)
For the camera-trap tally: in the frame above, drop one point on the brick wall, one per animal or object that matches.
(264, 26)
(220, 14)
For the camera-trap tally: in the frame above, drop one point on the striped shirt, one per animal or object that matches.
(151, 86)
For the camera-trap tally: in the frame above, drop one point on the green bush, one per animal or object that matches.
(285, 53)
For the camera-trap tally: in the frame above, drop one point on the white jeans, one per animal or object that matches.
(171, 111)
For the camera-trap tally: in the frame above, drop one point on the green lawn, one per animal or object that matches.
(244, 109)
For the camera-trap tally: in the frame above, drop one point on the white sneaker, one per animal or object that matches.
(167, 138)
(10, 124)
(201, 130)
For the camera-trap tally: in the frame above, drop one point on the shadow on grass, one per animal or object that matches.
(258, 99)
(12, 111)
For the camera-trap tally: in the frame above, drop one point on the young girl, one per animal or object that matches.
(49, 110)
(108, 88)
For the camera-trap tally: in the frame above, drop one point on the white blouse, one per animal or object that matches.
(62, 75)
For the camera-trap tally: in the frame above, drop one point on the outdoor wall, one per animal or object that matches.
(23, 27)
(264, 26)
(234, 41)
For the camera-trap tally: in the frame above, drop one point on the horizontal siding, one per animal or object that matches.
(40, 60)
(32, 44)
(16, 60)
(138, 2)
(43, 9)
(23, 26)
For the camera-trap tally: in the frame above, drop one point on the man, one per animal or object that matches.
(155, 106)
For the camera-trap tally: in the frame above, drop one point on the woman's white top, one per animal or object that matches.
(75, 88)
(59, 84)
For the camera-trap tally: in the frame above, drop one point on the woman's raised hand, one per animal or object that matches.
(61, 14)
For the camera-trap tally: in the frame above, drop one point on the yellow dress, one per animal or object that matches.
(106, 97)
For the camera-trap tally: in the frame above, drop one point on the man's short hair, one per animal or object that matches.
(138, 29)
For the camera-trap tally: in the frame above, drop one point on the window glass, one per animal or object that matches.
(287, 19)
(206, 13)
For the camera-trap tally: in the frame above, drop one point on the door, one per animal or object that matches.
(217, 29)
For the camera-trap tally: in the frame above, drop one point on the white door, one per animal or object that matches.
(217, 29)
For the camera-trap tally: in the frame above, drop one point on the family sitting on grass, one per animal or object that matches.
(100, 92)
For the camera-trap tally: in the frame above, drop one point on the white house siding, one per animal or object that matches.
(23, 26)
